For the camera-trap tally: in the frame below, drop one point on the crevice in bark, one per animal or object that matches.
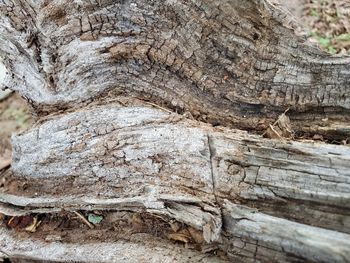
(304, 212)
(212, 153)
(218, 68)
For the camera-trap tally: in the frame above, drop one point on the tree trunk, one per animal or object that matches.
(137, 107)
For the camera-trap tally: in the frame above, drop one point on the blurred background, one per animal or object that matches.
(14, 117)
(326, 23)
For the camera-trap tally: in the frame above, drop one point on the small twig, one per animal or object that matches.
(117, 100)
(159, 107)
(190, 114)
(285, 112)
(275, 123)
(84, 219)
(275, 132)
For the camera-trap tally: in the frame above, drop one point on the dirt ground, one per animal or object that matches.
(14, 118)
(326, 23)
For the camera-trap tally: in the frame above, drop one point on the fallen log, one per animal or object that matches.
(138, 106)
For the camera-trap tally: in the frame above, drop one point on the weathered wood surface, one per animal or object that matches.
(144, 159)
(262, 237)
(92, 71)
(227, 62)
(152, 251)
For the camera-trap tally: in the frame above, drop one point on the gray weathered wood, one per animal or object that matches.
(262, 237)
(134, 251)
(164, 164)
(136, 104)
(227, 62)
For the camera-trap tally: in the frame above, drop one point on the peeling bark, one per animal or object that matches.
(137, 107)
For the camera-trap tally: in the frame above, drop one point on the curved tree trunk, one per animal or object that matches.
(137, 105)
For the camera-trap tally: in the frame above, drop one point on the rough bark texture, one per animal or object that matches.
(128, 96)
(227, 62)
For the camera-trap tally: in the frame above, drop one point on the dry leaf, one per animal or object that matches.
(183, 236)
(175, 226)
(280, 129)
(137, 222)
(33, 227)
(180, 237)
(272, 133)
(196, 235)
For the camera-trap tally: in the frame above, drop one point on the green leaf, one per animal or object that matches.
(95, 219)
(332, 50)
(324, 41)
(314, 13)
(343, 37)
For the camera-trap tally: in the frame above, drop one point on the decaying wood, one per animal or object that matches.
(120, 251)
(144, 159)
(227, 62)
(263, 237)
(136, 104)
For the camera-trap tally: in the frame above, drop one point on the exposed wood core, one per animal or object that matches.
(138, 105)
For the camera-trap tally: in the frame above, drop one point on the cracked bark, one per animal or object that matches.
(95, 71)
